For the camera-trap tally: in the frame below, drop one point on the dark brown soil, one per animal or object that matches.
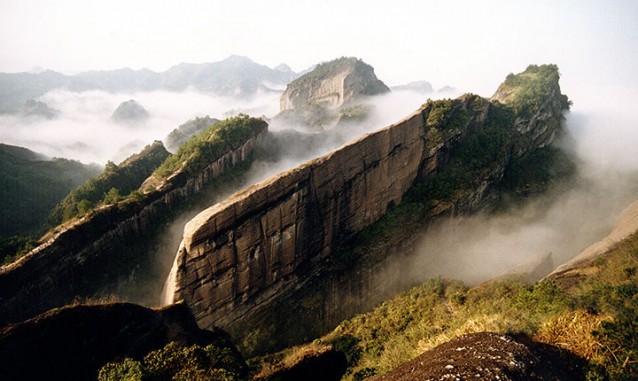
(490, 356)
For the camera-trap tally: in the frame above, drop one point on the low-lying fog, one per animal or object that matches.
(603, 136)
(84, 130)
(602, 139)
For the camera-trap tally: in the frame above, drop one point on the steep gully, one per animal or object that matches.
(268, 248)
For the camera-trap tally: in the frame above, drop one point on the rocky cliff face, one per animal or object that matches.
(316, 97)
(262, 244)
(332, 84)
(90, 255)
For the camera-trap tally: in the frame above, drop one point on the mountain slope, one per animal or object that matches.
(30, 186)
(592, 316)
(291, 242)
(110, 246)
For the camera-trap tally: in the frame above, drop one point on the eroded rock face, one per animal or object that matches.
(332, 84)
(92, 254)
(265, 242)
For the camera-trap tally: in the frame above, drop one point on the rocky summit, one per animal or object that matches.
(316, 97)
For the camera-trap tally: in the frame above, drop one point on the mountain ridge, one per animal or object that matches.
(235, 76)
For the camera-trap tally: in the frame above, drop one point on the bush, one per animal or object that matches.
(178, 362)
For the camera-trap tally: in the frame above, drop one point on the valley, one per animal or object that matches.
(290, 231)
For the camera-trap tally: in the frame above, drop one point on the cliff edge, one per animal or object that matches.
(271, 239)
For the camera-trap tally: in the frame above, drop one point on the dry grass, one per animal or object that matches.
(269, 365)
(572, 330)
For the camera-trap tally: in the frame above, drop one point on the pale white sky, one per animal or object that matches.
(468, 44)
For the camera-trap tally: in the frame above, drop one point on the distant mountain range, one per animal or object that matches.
(235, 76)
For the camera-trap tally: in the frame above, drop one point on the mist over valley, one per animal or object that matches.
(318, 191)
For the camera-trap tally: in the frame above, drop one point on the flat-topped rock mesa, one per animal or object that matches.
(92, 253)
(315, 97)
(262, 244)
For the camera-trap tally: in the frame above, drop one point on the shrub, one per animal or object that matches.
(178, 362)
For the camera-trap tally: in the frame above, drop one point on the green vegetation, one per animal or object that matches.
(186, 130)
(324, 70)
(109, 187)
(30, 186)
(534, 173)
(211, 144)
(527, 91)
(471, 161)
(311, 115)
(446, 114)
(179, 363)
(595, 318)
(355, 113)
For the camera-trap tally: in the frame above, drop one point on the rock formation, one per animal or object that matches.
(130, 112)
(315, 97)
(490, 356)
(269, 240)
(74, 342)
(89, 255)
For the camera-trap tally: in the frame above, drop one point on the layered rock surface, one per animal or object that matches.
(262, 244)
(330, 92)
(332, 84)
(91, 254)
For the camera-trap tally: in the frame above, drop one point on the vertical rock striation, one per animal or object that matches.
(262, 244)
(92, 254)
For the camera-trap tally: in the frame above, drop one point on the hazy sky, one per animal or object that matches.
(468, 44)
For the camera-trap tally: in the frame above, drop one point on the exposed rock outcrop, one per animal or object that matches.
(74, 342)
(263, 243)
(490, 356)
(315, 97)
(332, 84)
(91, 254)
